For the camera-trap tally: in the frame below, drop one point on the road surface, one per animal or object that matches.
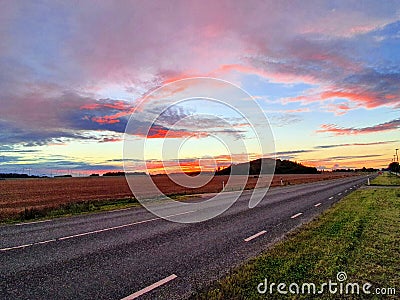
(132, 253)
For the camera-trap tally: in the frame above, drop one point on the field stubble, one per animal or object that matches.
(19, 195)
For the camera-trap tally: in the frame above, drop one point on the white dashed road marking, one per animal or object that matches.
(88, 233)
(255, 236)
(296, 215)
(150, 287)
(318, 204)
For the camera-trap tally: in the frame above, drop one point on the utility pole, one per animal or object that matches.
(397, 155)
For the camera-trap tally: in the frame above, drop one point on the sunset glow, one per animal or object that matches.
(326, 76)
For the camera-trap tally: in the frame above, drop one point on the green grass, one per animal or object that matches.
(70, 209)
(359, 235)
(386, 179)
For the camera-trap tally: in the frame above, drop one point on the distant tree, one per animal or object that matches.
(343, 170)
(114, 174)
(120, 173)
(16, 175)
(368, 170)
(254, 168)
(394, 166)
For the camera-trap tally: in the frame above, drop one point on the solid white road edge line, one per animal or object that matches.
(296, 215)
(90, 232)
(43, 221)
(150, 287)
(254, 236)
(16, 247)
(105, 229)
(29, 223)
(45, 242)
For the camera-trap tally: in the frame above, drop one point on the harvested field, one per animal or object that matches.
(16, 195)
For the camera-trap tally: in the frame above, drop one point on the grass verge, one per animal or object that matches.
(359, 236)
(69, 209)
(84, 207)
(386, 179)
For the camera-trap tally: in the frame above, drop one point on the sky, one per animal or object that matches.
(325, 74)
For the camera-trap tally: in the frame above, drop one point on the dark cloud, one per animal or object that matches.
(51, 167)
(285, 120)
(354, 144)
(52, 119)
(346, 157)
(387, 126)
(293, 152)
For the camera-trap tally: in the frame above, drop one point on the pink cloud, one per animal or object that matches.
(368, 99)
(139, 45)
(113, 118)
(157, 131)
(116, 104)
(356, 97)
(197, 38)
(340, 108)
(105, 120)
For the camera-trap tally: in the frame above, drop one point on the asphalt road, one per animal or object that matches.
(130, 252)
